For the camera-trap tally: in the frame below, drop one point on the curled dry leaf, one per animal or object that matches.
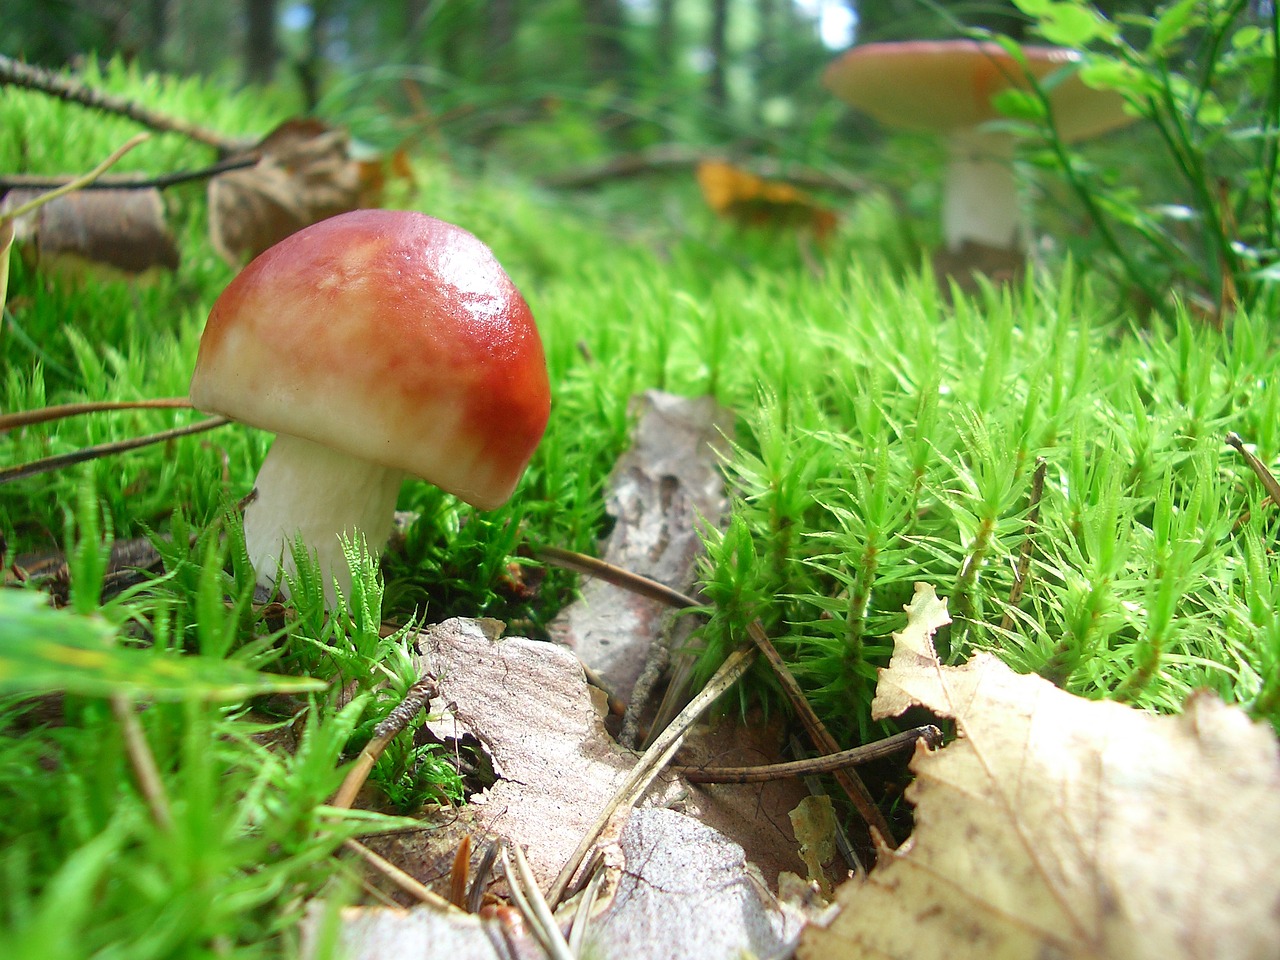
(116, 232)
(753, 201)
(1059, 827)
(304, 174)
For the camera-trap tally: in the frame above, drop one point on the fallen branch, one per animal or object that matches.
(48, 464)
(18, 74)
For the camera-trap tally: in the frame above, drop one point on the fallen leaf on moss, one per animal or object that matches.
(1059, 827)
(753, 201)
(304, 174)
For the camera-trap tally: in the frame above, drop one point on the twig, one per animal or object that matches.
(415, 698)
(1028, 544)
(618, 576)
(400, 878)
(143, 762)
(532, 904)
(820, 736)
(20, 74)
(77, 183)
(16, 181)
(803, 768)
(1257, 466)
(657, 756)
(34, 467)
(25, 418)
(480, 879)
(677, 156)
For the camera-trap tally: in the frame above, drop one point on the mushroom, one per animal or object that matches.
(375, 344)
(946, 87)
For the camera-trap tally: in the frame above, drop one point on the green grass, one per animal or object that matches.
(886, 433)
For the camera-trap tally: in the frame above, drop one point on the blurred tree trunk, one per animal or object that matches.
(606, 54)
(260, 48)
(766, 52)
(311, 65)
(499, 41)
(157, 31)
(664, 38)
(717, 90)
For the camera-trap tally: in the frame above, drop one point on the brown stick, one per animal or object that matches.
(60, 411)
(618, 576)
(415, 698)
(820, 736)
(803, 768)
(34, 467)
(19, 74)
(1257, 466)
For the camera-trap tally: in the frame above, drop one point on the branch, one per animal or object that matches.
(19, 74)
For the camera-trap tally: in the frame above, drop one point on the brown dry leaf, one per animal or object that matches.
(753, 201)
(1059, 827)
(113, 232)
(305, 173)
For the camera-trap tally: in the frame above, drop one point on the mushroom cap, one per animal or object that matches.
(392, 336)
(942, 86)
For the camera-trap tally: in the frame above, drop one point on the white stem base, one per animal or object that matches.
(310, 491)
(980, 197)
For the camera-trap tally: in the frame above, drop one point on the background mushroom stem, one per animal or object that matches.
(311, 491)
(981, 203)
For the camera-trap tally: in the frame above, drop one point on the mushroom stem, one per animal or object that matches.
(980, 197)
(319, 494)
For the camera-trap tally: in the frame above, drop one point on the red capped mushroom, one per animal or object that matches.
(946, 87)
(374, 344)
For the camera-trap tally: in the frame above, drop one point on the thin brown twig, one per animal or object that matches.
(618, 576)
(19, 74)
(803, 768)
(532, 904)
(653, 760)
(818, 733)
(34, 467)
(143, 762)
(1028, 544)
(401, 879)
(1259, 468)
(820, 736)
(60, 411)
(415, 698)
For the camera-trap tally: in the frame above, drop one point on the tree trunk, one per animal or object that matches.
(499, 41)
(664, 38)
(606, 53)
(717, 89)
(260, 49)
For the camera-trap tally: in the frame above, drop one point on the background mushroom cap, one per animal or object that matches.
(392, 336)
(947, 85)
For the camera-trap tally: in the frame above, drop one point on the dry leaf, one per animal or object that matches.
(752, 201)
(112, 232)
(1059, 827)
(304, 174)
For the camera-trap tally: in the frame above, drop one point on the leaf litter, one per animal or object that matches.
(1057, 826)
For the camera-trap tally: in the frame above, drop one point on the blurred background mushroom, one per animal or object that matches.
(948, 87)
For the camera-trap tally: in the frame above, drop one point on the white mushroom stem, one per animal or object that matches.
(980, 196)
(311, 491)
